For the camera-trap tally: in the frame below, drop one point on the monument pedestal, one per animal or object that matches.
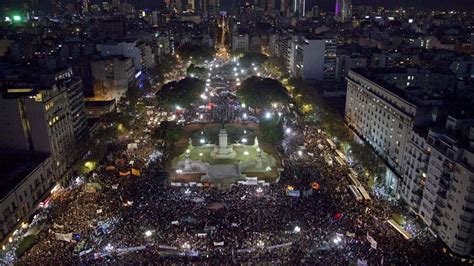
(223, 150)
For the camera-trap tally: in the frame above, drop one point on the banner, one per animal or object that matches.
(121, 251)
(219, 244)
(55, 225)
(280, 246)
(197, 200)
(248, 250)
(132, 146)
(373, 243)
(349, 234)
(167, 247)
(293, 193)
(124, 173)
(63, 237)
(135, 172)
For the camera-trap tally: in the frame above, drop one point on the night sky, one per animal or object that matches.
(324, 4)
(328, 4)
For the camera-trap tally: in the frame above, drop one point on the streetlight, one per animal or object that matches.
(243, 105)
(300, 153)
(186, 245)
(109, 247)
(336, 240)
(244, 116)
(202, 141)
(288, 130)
(148, 233)
(268, 115)
(297, 229)
(244, 140)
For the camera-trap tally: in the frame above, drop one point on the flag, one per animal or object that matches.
(135, 172)
(124, 173)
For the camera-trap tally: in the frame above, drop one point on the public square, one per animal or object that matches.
(126, 210)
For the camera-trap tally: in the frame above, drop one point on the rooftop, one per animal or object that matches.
(14, 169)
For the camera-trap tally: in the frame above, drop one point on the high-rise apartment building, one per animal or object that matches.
(240, 42)
(313, 58)
(298, 7)
(38, 109)
(447, 202)
(343, 10)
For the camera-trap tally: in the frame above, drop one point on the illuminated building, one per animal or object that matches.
(343, 10)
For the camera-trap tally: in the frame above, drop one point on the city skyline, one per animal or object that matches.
(327, 5)
(273, 134)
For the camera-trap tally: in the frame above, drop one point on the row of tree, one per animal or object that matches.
(261, 93)
(197, 54)
(180, 93)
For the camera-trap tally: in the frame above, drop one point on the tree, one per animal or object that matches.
(275, 66)
(168, 131)
(196, 71)
(271, 129)
(182, 93)
(262, 92)
(253, 58)
(26, 243)
(196, 53)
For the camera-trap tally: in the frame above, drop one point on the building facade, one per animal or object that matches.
(381, 116)
(313, 58)
(240, 42)
(447, 205)
(112, 77)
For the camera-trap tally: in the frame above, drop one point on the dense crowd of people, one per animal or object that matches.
(140, 218)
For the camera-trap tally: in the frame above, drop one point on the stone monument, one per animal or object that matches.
(223, 150)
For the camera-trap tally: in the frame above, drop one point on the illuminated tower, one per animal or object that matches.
(343, 11)
(299, 7)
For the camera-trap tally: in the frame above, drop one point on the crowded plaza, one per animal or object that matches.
(127, 211)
